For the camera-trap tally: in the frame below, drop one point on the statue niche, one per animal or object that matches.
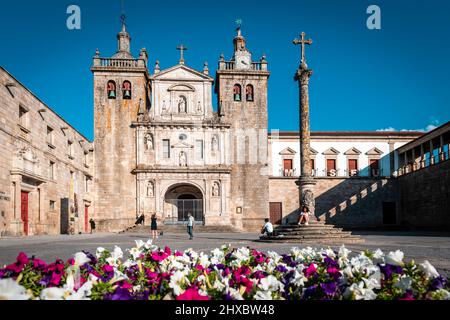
(214, 144)
(183, 159)
(216, 189)
(150, 189)
(182, 105)
(148, 140)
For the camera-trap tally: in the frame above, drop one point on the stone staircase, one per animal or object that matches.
(315, 232)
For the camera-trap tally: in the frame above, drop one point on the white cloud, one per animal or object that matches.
(433, 125)
(387, 129)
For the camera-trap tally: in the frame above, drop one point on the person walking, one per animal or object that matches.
(190, 226)
(154, 226)
(304, 216)
(92, 224)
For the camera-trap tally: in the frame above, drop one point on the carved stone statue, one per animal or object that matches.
(148, 141)
(150, 189)
(183, 159)
(308, 200)
(199, 107)
(182, 105)
(164, 107)
(216, 189)
(214, 143)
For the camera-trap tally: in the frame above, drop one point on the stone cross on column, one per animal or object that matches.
(305, 182)
(182, 48)
(302, 42)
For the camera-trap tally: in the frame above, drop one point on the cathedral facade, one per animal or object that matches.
(162, 149)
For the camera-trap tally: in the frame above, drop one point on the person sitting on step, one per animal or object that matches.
(267, 229)
(304, 216)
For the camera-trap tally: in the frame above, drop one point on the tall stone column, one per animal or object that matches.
(306, 181)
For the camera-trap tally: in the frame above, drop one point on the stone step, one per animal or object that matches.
(310, 227)
(313, 241)
(315, 232)
(312, 236)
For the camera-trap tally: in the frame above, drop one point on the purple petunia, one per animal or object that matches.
(329, 288)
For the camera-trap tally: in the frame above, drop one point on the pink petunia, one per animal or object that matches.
(38, 263)
(178, 254)
(311, 270)
(108, 268)
(22, 258)
(192, 294)
(55, 278)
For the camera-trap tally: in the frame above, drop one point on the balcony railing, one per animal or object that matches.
(336, 173)
(231, 65)
(423, 163)
(119, 63)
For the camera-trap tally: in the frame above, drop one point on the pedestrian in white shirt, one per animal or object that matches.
(190, 226)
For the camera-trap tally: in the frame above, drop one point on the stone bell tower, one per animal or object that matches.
(121, 91)
(241, 87)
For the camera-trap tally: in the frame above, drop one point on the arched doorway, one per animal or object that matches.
(182, 199)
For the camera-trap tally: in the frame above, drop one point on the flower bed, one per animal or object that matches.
(226, 273)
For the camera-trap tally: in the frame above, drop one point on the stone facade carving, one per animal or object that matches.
(214, 143)
(183, 159)
(216, 189)
(150, 189)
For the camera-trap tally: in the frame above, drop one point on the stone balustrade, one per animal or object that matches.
(231, 65)
(119, 63)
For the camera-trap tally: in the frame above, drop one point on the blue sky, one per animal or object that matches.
(396, 77)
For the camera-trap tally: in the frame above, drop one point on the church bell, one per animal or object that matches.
(111, 94)
(127, 94)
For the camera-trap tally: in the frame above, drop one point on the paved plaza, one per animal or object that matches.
(431, 246)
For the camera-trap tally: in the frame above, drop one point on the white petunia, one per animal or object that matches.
(135, 252)
(298, 279)
(270, 283)
(83, 293)
(343, 252)
(358, 292)
(235, 294)
(11, 290)
(139, 244)
(429, 270)
(218, 285)
(53, 293)
(404, 283)
(117, 253)
(395, 258)
(176, 280)
(263, 295)
(99, 252)
(81, 258)
(378, 254)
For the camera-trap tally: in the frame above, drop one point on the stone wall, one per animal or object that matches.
(425, 197)
(25, 159)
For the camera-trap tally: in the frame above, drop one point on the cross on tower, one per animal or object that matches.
(182, 48)
(302, 41)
